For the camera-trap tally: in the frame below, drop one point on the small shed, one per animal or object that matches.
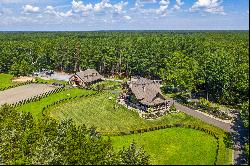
(85, 78)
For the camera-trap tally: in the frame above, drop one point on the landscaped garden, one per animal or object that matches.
(109, 118)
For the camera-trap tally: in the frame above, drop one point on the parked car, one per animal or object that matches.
(57, 84)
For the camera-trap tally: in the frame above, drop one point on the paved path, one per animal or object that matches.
(14, 95)
(225, 126)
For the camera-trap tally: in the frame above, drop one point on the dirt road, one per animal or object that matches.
(14, 95)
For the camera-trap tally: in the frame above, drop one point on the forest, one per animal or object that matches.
(209, 64)
(213, 62)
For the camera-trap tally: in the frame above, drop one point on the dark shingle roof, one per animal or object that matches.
(89, 75)
(147, 91)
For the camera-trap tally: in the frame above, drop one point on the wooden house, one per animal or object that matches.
(146, 94)
(85, 78)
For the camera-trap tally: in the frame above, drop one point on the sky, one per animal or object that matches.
(92, 15)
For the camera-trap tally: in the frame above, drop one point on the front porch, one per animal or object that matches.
(143, 107)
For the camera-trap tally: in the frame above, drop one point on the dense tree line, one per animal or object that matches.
(24, 141)
(215, 62)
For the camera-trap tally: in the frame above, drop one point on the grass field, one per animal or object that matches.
(176, 146)
(5, 80)
(36, 107)
(102, 112)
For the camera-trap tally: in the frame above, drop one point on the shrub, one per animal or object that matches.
(204, 103)
(172, 109)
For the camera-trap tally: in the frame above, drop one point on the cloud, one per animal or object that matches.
(119, 7)
(80, 7)
(66, 14)
(178, 5)
(30, 9)
(162, 10)
(148, 1)
(51, 10)
(5, 11)
(127, 17)
(104, 4)
(210, 6)
(164, 2)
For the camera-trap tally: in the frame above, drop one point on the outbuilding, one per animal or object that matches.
(85, 78)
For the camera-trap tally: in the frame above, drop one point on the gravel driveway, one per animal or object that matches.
(14, 95)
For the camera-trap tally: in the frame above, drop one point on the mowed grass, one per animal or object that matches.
(5, 80)
(177, 146)
(102, 112)
(36, 107)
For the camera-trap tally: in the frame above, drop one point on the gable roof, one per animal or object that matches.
(147, 91)
(89, 75)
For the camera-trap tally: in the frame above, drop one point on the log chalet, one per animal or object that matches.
(146, 94)
(85, 78)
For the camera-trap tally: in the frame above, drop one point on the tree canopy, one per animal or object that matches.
(22, 141)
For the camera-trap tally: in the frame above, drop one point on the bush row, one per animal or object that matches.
(158, 128)
(38, 97)
(66, 99)
(164, 127)
(16, 85)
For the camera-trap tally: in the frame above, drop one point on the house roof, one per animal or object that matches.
(89, 75)
(147, 91)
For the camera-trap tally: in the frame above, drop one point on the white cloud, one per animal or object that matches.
(164, 2)
(104, 4)
(80, 7)
(30, 9)
(51, 10)
(178, 5)
(127, 17)
(210, 6)
(119, 7)
(66, 14)
(162, 10)
(148, 1)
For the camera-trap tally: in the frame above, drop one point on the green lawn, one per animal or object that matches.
(178, 146)
(5, 80)
(102, 112)
(36, 107)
